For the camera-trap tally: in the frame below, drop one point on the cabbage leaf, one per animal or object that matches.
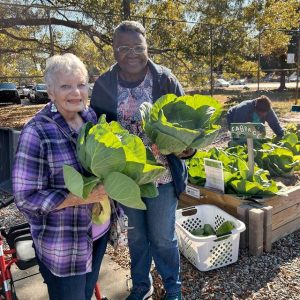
(175, 124)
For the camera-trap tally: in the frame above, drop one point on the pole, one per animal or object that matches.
(211, 61)
(258, 60)
(126, 9)
(298, 63)
(51, 34)
(250, 156)
(144, 21)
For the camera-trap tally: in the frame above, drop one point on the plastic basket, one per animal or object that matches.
(212, 252)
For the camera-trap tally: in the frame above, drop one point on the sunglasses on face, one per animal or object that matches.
(136, 50)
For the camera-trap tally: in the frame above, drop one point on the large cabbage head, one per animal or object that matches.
(117, 159)
(175, 124)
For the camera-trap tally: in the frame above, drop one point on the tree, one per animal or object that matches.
(189, 36)
(274, 19)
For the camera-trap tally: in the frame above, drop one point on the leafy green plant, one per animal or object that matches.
(237, 177)
(278, 156)
(175, 124)
(118, 160)
(225, 228)
(258, 184)
(279, 161)
(273, 158)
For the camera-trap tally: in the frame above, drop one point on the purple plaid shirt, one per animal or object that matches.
(63, 238)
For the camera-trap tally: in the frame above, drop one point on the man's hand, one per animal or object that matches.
(186, 153)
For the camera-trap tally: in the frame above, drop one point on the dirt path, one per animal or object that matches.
(15, 116)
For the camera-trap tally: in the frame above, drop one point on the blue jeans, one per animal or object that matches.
(154, 237)
(78, 287)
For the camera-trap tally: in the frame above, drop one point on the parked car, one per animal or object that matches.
(39, 94)
(238, 81)
(9, 93)
(20, 89)
(221, 83)
(27, 89)
(293, 77)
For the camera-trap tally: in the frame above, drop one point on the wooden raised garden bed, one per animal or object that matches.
(267, 220)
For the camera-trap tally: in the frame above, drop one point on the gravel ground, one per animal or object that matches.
(274, 275)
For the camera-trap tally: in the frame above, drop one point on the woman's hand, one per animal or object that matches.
(187, 153)
(97, 195)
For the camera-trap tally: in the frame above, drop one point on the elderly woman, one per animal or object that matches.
(118, 93)
(69, 248)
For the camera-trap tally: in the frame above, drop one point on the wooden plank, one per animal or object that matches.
(186, 201)
(256, 233)
(280, 203)
(268, 212)
(285, 230)
(286, 216)
(229, 203)
(243, 215)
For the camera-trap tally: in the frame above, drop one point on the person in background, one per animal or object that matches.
(118, 93)
(68, 247)
(258, 110)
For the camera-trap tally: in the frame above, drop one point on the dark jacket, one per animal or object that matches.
(243, 113)
(104, 100)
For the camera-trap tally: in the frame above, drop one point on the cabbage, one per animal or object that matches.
(175, 124)
(118, 160)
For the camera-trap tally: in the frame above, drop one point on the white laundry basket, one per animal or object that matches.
(212, 252)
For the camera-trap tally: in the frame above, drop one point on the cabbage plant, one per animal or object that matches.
(118, 160)
(237, 178)
(175, 124)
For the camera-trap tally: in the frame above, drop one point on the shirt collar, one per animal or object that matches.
(60, 120)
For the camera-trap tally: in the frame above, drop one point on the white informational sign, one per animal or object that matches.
(290, 58)
(214, 174)
(193, 192)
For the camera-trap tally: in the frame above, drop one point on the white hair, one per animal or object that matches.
(66, 63)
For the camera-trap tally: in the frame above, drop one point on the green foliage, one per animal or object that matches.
(226, 27)
(273, 158)
(175, 124)
(118, 160)
(279, 161)
(207, 230)
(225, 228)
(236, 172)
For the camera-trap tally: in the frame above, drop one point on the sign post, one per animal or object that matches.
(248, 131)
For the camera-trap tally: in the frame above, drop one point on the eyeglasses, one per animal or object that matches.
(136, 50)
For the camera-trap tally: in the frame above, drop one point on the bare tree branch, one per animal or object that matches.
(18, 38)
(87, 29)
(10, 50)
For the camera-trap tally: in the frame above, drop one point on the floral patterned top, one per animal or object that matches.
(130, 96)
